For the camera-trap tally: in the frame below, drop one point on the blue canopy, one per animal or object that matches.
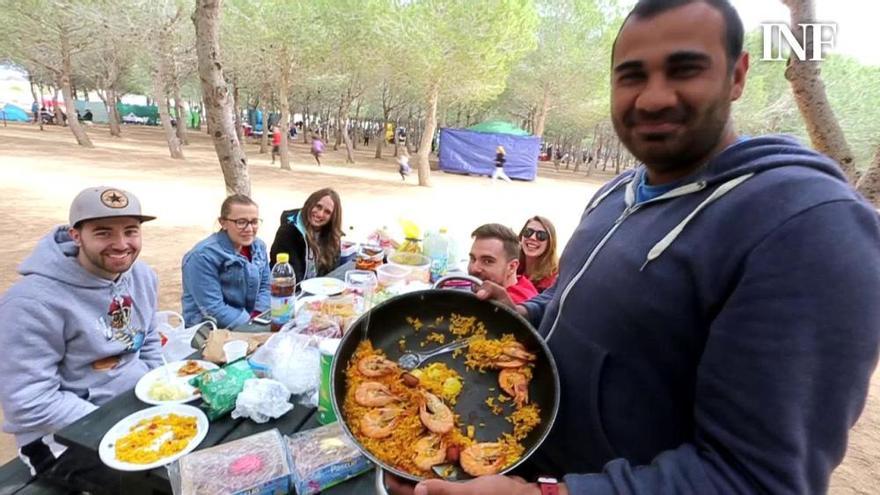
(469, 152)
(13, 113)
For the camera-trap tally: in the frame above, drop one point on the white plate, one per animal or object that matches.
(323, 286)
(142, 389)
(106, 449)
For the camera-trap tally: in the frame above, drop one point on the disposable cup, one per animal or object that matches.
(235, 349)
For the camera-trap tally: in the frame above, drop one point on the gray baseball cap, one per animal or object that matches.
(105, 202)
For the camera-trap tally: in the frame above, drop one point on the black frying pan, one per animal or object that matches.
(387, 324)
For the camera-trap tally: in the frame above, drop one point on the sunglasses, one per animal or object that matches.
(541, 235)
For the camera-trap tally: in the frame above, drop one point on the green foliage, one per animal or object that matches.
(767, 104)
(467, 48)
(489, 58)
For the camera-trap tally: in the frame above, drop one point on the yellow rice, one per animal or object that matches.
(138, 446)
(397, 449)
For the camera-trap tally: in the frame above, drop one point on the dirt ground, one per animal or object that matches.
(40, 172)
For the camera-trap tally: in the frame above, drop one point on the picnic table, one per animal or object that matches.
(83, 437)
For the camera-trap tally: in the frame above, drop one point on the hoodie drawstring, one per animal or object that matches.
(669, 238)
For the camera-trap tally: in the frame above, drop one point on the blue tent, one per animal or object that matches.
(471, 152)
(13, 113)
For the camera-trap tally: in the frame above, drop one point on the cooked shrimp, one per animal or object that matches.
(505, 361)
(379, 423)
(435, 415)
(375, 366)
(481, 459)
(430, 451)
(516, 384)
(518, 351)
(374, 394)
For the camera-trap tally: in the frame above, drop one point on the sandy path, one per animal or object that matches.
(40, 173)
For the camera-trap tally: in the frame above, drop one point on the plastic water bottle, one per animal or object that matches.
(437, 248)
(282, 285)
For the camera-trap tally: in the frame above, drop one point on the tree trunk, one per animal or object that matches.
(542, 113)
(69, 103)
(236, 107)
(812, 101)
(424, 153)
(264, 108)
(164, 117)
(181, 114)
(56, 107)
(109, 99)
(233, 161)
(307, 125)
(284, 123)
(380, 137)
(346, 138)
(869, 182)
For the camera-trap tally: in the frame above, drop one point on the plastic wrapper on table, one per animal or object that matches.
(221, 387)
(261, 400)
(292, 359)
(323, 457)
(256, 465)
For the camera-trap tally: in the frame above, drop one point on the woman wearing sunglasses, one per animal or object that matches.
(537, 257)
(226, 276)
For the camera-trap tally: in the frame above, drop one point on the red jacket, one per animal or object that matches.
(276, 138)
(523, 290)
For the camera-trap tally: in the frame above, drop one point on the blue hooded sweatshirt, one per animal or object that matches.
(718, 338)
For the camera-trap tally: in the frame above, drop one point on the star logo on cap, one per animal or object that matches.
(114, 198)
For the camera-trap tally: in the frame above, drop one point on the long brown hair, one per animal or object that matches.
(548, 262)
(324, 242)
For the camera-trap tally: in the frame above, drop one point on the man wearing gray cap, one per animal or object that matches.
(79, 325)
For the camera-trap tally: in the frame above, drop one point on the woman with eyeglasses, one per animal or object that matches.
(226, 276)
(537, 256)
(311, 235)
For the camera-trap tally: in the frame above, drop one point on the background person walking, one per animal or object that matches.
(500, 156)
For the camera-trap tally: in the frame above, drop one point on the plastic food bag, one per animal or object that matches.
(221, 387)
(258, 464)
(323, 457)
(261, 400)
(327, 318)
(293, 360)
(175, 336)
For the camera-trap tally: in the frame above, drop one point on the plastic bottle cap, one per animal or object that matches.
(282, 258)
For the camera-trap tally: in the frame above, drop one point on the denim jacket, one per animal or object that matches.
(222, 284)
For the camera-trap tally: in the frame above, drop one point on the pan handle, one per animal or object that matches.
(380, 482)
(474, 281)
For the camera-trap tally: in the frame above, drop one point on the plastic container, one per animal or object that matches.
(369, 257)
(282, 285)
(256, 465)
(323, 457)
(347, 251)
(418, 264)
(391, 274)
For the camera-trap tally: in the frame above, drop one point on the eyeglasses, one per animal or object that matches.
(541, 235)
(242, 223)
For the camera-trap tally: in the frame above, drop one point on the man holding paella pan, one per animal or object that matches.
(714, 322)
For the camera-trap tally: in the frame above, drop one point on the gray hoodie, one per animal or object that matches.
(59, 320)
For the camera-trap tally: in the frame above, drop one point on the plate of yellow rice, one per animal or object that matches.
(153, 437)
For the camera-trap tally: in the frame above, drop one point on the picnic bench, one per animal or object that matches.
(84, 436)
